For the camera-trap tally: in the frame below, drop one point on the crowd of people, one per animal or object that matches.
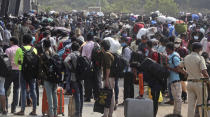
(77, 52)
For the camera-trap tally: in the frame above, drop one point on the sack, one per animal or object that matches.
(105, 97)
(115, 45)
(5, 66)
(137, 27)
(30, 64)
(118, 66)
(180, 28)
(83, 67)
(157, 71)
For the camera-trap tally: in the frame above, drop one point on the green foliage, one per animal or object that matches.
(106, 5)
(164, 6)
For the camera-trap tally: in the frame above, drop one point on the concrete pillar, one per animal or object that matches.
(26, 6)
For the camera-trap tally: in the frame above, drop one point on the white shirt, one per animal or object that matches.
(204, 42)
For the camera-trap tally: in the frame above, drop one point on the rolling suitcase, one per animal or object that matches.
(60, 96)
(142, 107)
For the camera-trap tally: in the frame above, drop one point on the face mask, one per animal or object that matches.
(156, 47)
(196, 37)
(123, 44)
(124, 35)
(176, 45)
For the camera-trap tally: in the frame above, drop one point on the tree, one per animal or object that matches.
(164, 6)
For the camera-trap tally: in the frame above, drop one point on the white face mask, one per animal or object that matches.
(176, 45)
(196, 37)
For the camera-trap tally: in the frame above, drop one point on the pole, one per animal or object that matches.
(203, 104)
(17, 7)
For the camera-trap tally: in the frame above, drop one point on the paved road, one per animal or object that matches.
(88, 107)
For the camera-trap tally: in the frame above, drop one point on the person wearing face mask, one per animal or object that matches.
(129, 75)
(162, 47)
(196, 68)
(196, 36)
(182, 51)
(142, 46)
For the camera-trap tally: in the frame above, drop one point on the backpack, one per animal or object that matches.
(83, 67)
(118, 66)
(53, 67)
(162, 59)
(30, 64)
(5, 66)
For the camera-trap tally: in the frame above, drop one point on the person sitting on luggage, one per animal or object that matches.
(75, 84)
(107, 60)
(50, 87)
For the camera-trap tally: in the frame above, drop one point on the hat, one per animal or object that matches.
(196, 45)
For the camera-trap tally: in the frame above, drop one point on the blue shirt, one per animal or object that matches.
(176, 61)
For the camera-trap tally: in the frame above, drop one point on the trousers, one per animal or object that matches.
(195, 98)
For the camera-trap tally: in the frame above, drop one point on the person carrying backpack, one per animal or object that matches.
(27, 58)
(89, 80)
(50, 86)
(76, 84)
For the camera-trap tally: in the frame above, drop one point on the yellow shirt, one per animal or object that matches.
(19, 55)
